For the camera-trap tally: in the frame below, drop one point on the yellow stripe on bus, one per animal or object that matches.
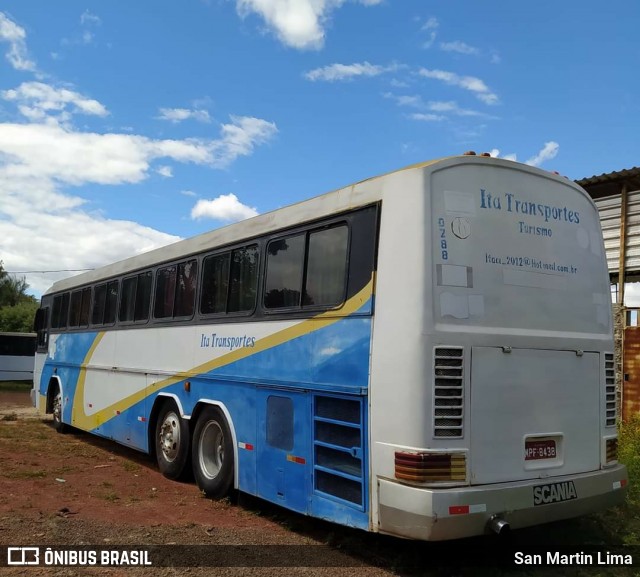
(87, 422)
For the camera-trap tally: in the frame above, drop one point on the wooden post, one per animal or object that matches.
(623, 245)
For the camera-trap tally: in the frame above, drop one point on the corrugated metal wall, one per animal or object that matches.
(610, 219)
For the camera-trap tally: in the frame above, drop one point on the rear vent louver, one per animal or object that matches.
(610, 389)
(448, 392)
(339, 449)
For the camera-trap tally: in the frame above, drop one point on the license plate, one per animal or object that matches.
(536, 450)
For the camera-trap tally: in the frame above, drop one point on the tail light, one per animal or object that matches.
(422, 467)
(612, 450)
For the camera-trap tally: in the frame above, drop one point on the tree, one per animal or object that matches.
(17, 308)
(19, 318)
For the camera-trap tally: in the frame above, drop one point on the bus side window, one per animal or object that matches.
(60, 311)
(285, 265)
(326, 267)
(244, 279)
(136, 297)
(40, 326)
(215, 284)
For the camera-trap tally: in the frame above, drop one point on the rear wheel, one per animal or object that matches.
(171, 441)
(212, 450)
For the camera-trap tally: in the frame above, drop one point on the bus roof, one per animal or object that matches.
(337, 201)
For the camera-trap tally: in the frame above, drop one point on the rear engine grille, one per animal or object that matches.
(610, 390)
(448, 406)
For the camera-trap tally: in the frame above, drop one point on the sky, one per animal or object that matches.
(125, 126)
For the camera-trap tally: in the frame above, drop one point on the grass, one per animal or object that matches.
(131, 466)
(25, 474)
(16, 386)
(629, 454)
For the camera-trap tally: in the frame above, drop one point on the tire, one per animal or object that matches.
(56, 409)
(212, 450)
(172, 442)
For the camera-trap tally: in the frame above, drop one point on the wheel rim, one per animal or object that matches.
(211, 450)
(170, 436)
(57, 407)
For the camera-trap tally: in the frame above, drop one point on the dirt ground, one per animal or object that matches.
(75, 489)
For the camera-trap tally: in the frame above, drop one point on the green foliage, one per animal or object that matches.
(18, 318)
(17, 309)
(629, 454)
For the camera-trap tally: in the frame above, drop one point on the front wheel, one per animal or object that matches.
(56, 406)
(171, 441)
(212, 450)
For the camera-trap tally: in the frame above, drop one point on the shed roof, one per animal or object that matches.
(611, 183)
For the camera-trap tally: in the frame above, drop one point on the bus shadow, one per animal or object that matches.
(484, 555)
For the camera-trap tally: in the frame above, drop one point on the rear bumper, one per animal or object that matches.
(438, 514)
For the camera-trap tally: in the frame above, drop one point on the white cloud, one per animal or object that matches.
(471, 83)
(188, 193)
(549, 151)
(225, 207)
(459, 47)
(297, 23)
(55, 152)
(15, 36)
(428, 117)
(450, 107)
(335, 72)
(165, 171)
(38, 101)
(240, 138)
(68, 239)
(44, 227)
(431, 26)
(176, 115)
(495, 153)
(89, 19)
(399, 83)
(453, 108)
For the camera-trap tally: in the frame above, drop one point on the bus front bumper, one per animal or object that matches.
(453, 513)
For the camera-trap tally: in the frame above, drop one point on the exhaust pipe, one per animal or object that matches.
(498, 526)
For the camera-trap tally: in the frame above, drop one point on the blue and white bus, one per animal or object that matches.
(426, 354)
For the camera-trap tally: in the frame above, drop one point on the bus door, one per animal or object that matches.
(284, 456)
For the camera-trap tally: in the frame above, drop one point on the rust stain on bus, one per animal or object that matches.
(631, 373)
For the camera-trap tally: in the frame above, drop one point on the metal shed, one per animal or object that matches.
(617, 196)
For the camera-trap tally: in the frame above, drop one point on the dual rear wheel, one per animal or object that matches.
(210, 448)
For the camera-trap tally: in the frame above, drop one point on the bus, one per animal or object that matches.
(426, 354)
(17, 351)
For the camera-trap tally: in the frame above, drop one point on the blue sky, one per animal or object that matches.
(127, 125)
